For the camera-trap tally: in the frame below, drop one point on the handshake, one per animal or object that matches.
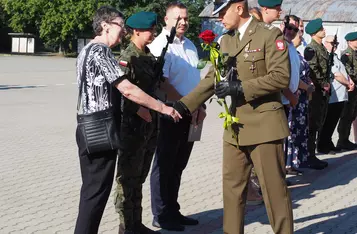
(222, 89)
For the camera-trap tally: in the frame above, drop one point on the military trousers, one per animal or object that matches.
(269, 163)
(348, 115)
(138, 142)
(318, 107)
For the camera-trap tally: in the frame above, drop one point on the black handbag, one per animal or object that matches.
(96, 132)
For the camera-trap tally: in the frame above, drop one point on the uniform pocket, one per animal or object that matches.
(271, 106)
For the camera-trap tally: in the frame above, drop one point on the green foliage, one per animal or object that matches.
(59, 22)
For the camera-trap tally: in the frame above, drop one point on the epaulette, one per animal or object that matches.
(266, 26)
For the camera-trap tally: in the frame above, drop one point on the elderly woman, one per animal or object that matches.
(101, 74)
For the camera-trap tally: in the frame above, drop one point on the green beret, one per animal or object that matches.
(351, 36)
(313, 26)
(270, 3)
(142, 20)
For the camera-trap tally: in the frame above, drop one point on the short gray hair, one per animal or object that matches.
(106, 14)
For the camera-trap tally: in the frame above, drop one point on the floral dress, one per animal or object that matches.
(298, 122)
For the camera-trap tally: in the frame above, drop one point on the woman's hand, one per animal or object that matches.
(171, 112)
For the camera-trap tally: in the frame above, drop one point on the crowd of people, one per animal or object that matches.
(288, 105)
(315, 102)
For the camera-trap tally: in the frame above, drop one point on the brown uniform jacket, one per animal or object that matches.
(261, 115)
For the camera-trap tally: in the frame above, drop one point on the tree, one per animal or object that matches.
(59, 22)
(159, 7)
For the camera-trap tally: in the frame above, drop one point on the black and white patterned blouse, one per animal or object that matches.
(102, 70)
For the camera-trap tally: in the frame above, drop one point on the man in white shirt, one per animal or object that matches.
(173, 149)
(341, 85)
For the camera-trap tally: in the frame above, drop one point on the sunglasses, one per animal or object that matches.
(295, 29)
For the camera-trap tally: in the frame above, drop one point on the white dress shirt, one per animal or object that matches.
(244, 27)
(294, 73)
(181, 61)
(338, 90)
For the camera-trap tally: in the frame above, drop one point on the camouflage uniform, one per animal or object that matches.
(317, 57)
(137, 137)
(349, 113)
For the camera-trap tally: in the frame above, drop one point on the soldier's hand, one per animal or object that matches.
(144, 114)
(182, 109)
(228, 88)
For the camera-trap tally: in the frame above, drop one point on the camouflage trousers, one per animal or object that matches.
(138, 142)
(348, 115)
(317, 115)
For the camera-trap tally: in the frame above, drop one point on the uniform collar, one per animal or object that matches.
(134, 47)
(244, 27)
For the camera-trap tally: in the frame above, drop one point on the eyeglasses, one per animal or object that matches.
(295, 29)
(118, 24)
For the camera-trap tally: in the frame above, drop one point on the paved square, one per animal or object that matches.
(40, 178)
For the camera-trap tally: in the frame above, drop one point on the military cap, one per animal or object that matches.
(313, 26)
(221, 4)
(351, 36)
(142, 20)
(270, 3)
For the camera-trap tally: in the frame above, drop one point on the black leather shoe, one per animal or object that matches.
(187, 221)
(346, 145)
(314, 163)
(171, 226)
(145, 230)
(293, 171)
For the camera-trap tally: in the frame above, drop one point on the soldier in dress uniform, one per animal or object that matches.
(349, 113)
(317, 57)
(138, 125)
(263, 70)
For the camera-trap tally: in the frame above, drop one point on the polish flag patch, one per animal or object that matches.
(123, 63)
(280, 45)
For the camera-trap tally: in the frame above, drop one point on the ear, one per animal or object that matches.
(104, 26)
(166, 19)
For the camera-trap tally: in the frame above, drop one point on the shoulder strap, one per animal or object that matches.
(83, 75)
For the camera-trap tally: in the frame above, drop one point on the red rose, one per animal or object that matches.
(207, 36)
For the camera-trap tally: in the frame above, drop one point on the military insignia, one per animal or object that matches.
(269, 26)
(123, 63)
(280, 45)
(247, 47)
(245, 56)
(252, 67)
(253, 51)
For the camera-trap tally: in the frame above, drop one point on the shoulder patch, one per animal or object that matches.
(309, 53)
(280, 45)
